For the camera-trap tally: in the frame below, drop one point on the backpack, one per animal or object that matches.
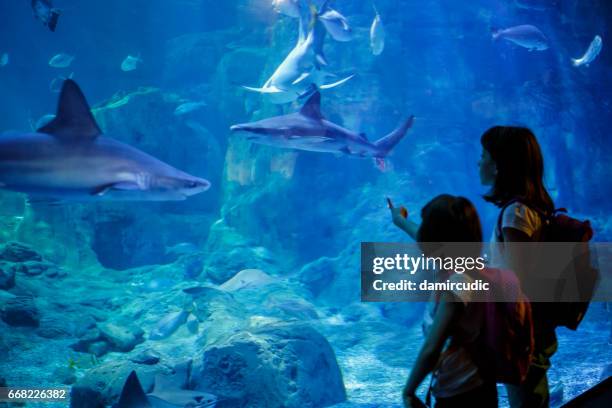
(504, 348)
(560, 227)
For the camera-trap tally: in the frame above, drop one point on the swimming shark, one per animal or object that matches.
(69, 159)
(302, 70)
(309, 130)
(164, 396)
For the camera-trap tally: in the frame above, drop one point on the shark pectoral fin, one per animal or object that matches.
(122, 185)
(73, 120)
(312, 107)
(301, 78)
(269, 89)
(337, 83)
(321, 60)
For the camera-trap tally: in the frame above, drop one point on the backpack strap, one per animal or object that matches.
(545, 216)
(498, 231)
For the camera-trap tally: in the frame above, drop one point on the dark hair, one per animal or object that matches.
(447, 218)
(520, 167)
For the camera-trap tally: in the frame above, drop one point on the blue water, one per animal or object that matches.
(297, 216)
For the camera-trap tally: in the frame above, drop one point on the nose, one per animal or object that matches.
(205, 185)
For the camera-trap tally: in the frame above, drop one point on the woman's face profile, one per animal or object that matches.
(487, 168)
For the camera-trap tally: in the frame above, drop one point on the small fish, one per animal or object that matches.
(188, 107)
(591, 53)
(336, 25)
(247, 278)
(130, 63)
(539, 5)
(4, 59)
(45, 12)
(61, 60)
(526, 36)
(377, 34)
(168, 325)
(289, 8)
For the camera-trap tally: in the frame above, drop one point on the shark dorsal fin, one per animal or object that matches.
(73, 120)
(312, 107)
(132, 394)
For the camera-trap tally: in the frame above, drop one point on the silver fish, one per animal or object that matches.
(377, 34)
(61, 60)
(526, 36)
(591, 53)
(168, 325)
(130, 63)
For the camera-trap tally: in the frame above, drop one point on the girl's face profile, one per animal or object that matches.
(487, 168)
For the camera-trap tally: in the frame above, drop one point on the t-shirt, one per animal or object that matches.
(518, 216)
(456, 372)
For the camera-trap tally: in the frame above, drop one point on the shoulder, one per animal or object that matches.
(521, 217)
(465, 296)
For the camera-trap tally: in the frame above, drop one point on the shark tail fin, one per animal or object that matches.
(388, 142)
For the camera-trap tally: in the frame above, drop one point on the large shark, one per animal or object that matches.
(309, 130)
(68, 159)
(302, 70)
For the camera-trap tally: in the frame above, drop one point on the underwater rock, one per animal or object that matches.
(291, 308)
(21, 311)
(85, 397)
(64, 375)
(121, 338)
(54, 327)
(293, 363)
(108, 337)
(229, 251)
(192, 324)
(147, 357)
(18, 252)
(7, 276)
(192, 265)
(316, 275)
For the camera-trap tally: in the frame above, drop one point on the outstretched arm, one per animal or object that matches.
(400, 219)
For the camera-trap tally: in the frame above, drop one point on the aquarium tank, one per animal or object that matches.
(185, 186)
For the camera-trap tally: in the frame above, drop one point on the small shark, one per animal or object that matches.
(165, 395)
(302, 69)
(309, 130)
(45, 12)
(69, 159)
